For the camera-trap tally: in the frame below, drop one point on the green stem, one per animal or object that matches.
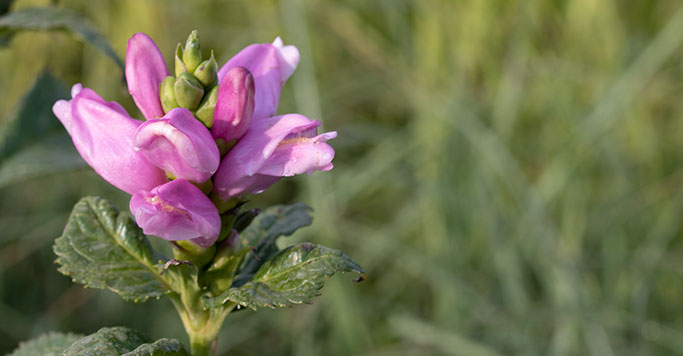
(199, 346)
(202, 326)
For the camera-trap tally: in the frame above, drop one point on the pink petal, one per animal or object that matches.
(275, 147)
(271, 65)
(145, 69)
(289, 58)
(179, 144)
(177, 211)
(103, 135)
(235, 105)
(297, 155)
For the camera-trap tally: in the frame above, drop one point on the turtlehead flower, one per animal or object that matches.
(180, 145)
(177, 211)
(145, 69)
(205, 127)
(103, 134)
(232, 116)
(271, 65)
(272, 148)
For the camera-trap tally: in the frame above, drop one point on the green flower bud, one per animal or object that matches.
(192, 55)
(187, 250)
(244, 219)
(224, 205)
(229, 256)
(205, 111)
(224, 146)
(207, 71)
(166, 94)
(188, 91)
(226, 226)
(179, 64)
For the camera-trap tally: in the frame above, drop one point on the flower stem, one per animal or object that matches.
(202, 326)
(199, 346)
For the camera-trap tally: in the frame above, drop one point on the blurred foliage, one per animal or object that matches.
(508, 172)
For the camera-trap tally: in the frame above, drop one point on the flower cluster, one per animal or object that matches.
(210, 135)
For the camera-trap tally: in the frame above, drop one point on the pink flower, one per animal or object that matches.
(103, 135)
(179, 144)
(136, 156)
(271, 65)
(233, 113)
(272, 148)
(145, 69)
(177, 211)
(268, 67)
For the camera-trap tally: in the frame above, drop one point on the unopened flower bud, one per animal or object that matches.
(187, 250)
(188, 91)
(207, 106)
(192, 55)
(167, 94)
(244, 219)
(224, 146)
(179, 64)
(207, 71)
(235, 106)
(229, 256)
(226, 226)
(205, 187)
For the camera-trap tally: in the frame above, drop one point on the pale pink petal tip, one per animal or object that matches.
(76, 89)
(289, 56)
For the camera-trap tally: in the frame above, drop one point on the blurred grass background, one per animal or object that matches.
(509, 173)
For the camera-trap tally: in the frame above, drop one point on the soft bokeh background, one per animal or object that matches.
(509, 173)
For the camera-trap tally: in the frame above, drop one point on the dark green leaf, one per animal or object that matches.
(293, 276)
(51, 344)
(52, 18)
(105, 342)
(104, 248)
(34, 141)
(262, 234)
(161, 347)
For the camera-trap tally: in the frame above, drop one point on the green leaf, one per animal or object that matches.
(52, 18)
(34, 142)
(293, 276)
(50, 344)
(161, 347)
(104, 248)
(120, 341)
(262, 234)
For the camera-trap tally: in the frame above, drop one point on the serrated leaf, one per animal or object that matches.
(262, 234)
(53, 18)
(104, 248)
(121, 341)
(34, 142)
(293, 276)
(161, 347)
(50, 344)
(105, 342)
